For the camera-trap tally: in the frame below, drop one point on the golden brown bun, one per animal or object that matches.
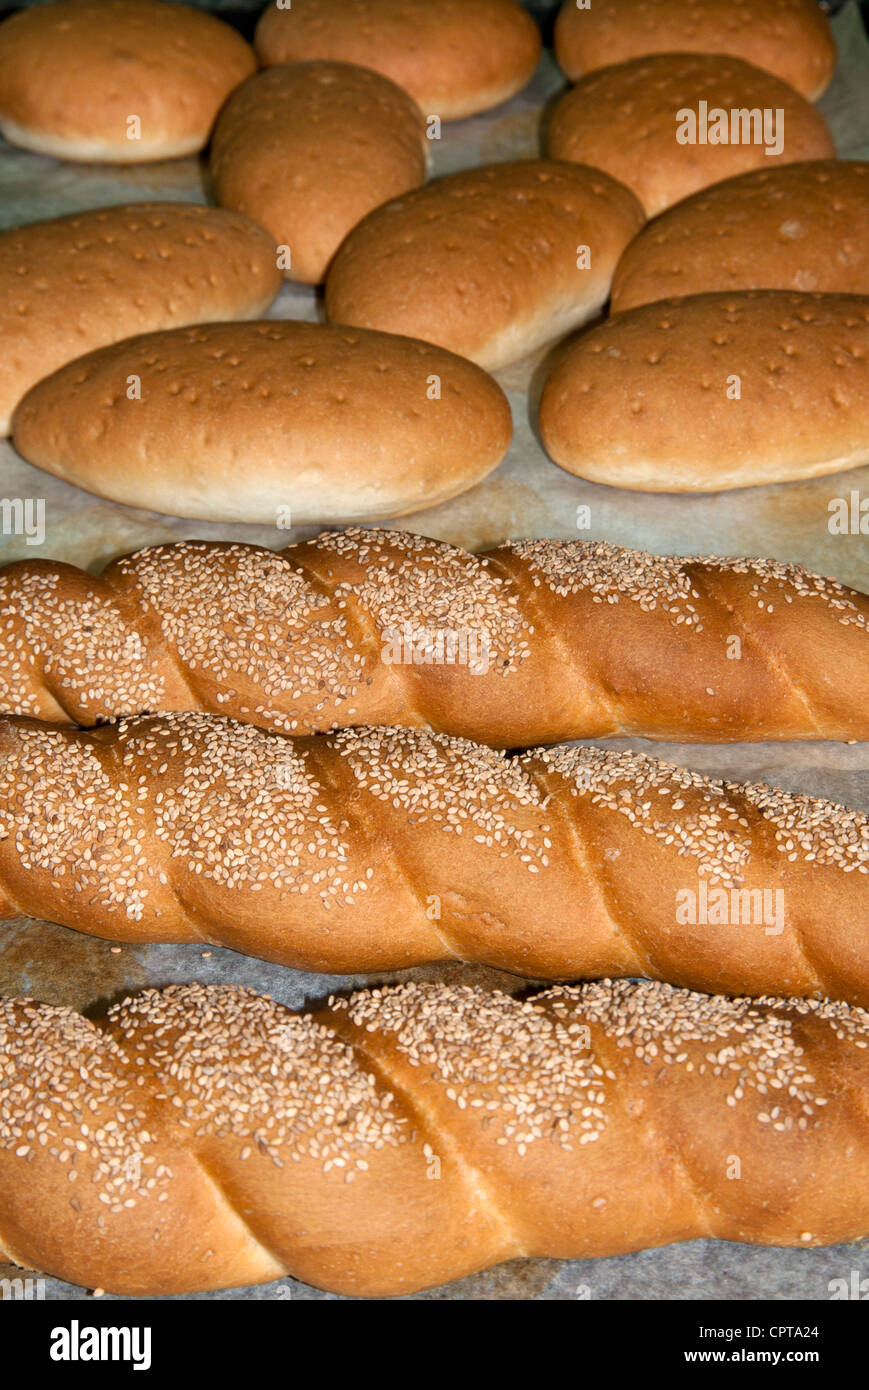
(454, 57)
(308, 149)
(73, 73)
(714, 391)
(77, 283)
(625, 120)
(790, 38)
(564, 640)
(249, 422)
(793, 227)
(329, 854)
(486, 262)
(406, 1136)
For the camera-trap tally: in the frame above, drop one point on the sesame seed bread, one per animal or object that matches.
(76, 75)
(76, 283)
(492, 263)
(790, 38)
(327, 853)
(308, 149)
(624, 120)
(714, 391)
(454, 57)
(258, 422)
(229, 1141)
(793, 227)
(563, 640)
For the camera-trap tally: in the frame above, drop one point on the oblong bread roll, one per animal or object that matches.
(275, 422)
(792, 227)
(490, 263)
(308, 149)
(636, 121)
(714, 391)
(81, 282)
(123, 81)
(790, 38)
(454, 57)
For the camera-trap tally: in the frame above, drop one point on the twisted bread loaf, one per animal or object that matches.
(535, 642)
(384, 848)
(204, 1137)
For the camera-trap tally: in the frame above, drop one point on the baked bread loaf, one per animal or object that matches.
(714, 391)
(202, 1137)
(794, 227)
(454, 57)
(791, 38)
(535, 642)
(379, 849)
(491, 263)
(77, 283)
(274, 422)
(310, 148)
(648, 123)
(124, 81)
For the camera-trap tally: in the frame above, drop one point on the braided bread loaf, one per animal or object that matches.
(205, 1137)
(379, 849)
(536, 642)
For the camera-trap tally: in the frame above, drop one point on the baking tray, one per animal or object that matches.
(526, 496)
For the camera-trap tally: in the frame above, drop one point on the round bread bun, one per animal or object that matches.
(77, 283)
(790, 38)
(454, 57)
(310, 148)
(75, 74)
(792, 227)
(714, 391)
(625, 120)
(487, 262)
(278, 423)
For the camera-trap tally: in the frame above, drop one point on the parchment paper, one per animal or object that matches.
(528, 495)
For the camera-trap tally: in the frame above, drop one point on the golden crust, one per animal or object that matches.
(793, 227)
(714, 391)
(73, 74)
(624, 120)
(76, 283)
(491, 263)
(308, 149)
(790, 38)
(237, 422)
(454, 57)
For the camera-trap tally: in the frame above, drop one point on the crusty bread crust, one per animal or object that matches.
(203, 1137)
(73, 74)
(623, 119)
(255, 422)
(790, 38)
(793, 227)
(454, 57)
(714, 391)
(380, 849)
(308, 149)
(76, 283)
(562, 640)
(490, 262)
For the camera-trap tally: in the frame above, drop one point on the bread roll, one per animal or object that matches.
(118, 80)
(454, 57)
(793, 227)
(790, 38)
(77, 283)
(308, 149)
(714, 391)
(275, 422)
(491, 263)
(637, 121)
